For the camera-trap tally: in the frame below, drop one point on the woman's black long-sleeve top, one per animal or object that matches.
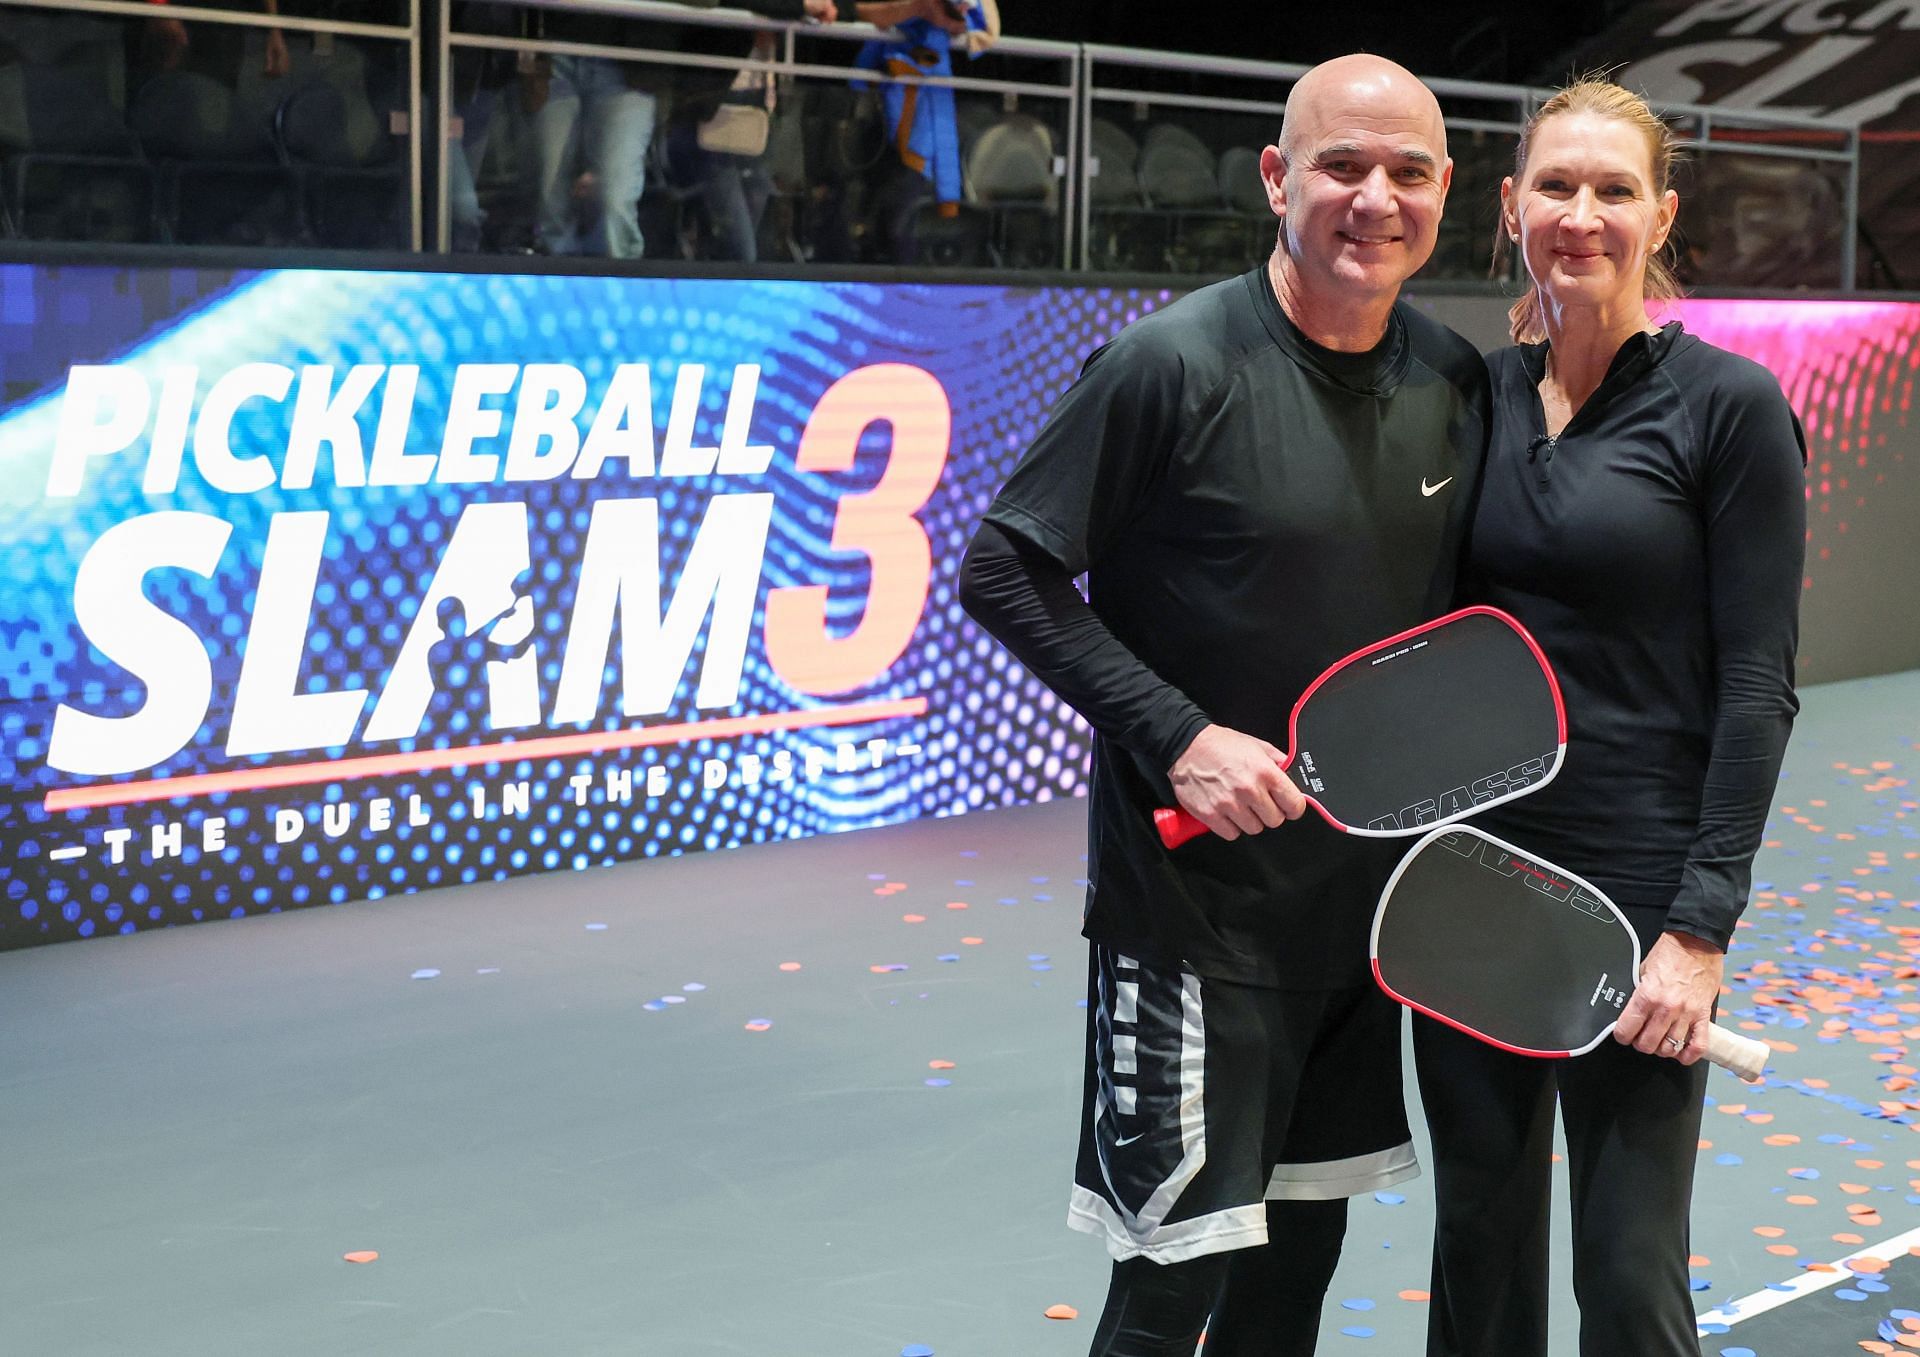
(1654, 548)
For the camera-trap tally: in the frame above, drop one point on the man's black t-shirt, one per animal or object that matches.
(1248, 508)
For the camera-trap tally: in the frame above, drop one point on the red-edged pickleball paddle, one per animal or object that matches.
(1421, 729)
(1515, 951)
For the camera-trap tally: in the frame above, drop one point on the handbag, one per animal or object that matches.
(739, 126)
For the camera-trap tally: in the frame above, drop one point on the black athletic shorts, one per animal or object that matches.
(1204, 1099)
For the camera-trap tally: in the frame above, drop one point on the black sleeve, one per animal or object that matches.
(1755, 514)
(1026, 599)
(1103, 449)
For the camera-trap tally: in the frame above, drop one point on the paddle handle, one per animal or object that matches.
(1731, 1051)
(1176, 826)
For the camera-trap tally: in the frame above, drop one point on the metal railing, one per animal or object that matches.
(1080, 80)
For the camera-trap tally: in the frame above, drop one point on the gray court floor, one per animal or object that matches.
(692, 1106)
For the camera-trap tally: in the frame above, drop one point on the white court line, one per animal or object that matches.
(70, 851)
(1734, 1311)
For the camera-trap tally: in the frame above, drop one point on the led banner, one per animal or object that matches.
(324, 585)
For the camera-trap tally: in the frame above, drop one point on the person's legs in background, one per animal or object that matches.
(465, 154)
(556, 139)
(619, 128)
(735, 192)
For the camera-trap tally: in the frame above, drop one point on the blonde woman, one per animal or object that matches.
(1643, 513)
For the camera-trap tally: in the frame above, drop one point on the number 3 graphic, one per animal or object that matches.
(879, 523)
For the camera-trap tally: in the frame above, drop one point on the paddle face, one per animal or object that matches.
(1422, 729)
(1516, 952)
(1429, 726)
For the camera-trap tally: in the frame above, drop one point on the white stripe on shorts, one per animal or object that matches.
(1236, 1228)
(1332, 1178)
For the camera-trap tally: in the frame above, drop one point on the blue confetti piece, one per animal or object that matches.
(1729, 1160)
(1778, 1286)
(916, 1350)
(693, 987)
(1357, 1331)
(1906, 1314)
(1009, 900)
(654, 1006)
(1036, 956)
(596, 928)
(427, 973)
(1848, 1293)
(1737, 1352)
(1389, 1198)
(1715, 1326)
(939, 1083)
(1357, 1303)
(1040, 966)
(1872, 1284)
(1700, 1284)
(948, 956)
(1832, 1139)
(1808, 1175)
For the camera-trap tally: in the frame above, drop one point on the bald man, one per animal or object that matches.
(1261, 478)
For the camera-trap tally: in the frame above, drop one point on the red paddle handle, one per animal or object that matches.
(1176, 826)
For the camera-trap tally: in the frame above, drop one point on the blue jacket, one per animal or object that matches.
(920, 118)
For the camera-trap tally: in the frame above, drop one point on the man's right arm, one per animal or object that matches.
(1232, 782)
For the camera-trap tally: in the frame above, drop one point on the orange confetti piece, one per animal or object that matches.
(1706, 1144)
(1062, 1312)
(973, 942)
(789, 965)
(1699, 1260)
(361, 1256)
(957, 904)
(1849, 1239)
(1854, 1189)
(759, 1025)
(1782, 1250)
(1867, 1266)
(1768, 1231)
(1733, 1109)
(1783, 1139)
(939, 1064)
(913, 918)
(1761, 1119)
(1799, 1200)
(1416, 1295)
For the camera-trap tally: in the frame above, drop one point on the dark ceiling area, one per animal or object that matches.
(1511, 40)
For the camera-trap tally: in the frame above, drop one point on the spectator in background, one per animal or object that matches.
(922, 133)
(594, 118)
(592, 121)
(478, 78)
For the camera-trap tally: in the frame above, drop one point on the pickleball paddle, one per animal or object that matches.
(1515, 951)
(1421, 729)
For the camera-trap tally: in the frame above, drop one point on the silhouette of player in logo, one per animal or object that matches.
(457, 662)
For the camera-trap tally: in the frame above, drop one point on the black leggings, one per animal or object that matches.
(1263, 1302)
(1633, 1128)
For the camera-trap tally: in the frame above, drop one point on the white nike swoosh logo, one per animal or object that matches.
(1431, 490)
(1124, 1141)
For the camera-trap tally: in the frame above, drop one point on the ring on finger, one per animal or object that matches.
(1676, 1043)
